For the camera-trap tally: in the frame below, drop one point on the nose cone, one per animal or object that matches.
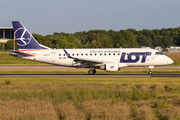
(170, 61)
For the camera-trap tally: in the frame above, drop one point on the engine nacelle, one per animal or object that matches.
(110, 67)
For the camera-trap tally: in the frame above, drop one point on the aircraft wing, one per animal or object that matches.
(84, 61)
(87, 60)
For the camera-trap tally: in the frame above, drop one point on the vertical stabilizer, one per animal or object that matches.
(25, 41)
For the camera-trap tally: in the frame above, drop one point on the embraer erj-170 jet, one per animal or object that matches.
(109, 59)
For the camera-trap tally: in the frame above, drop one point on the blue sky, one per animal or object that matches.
(48, 16)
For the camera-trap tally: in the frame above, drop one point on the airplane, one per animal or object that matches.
(108, 59)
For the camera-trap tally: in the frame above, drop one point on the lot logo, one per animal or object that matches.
(112, 67)
(23, 37)
(134, 57)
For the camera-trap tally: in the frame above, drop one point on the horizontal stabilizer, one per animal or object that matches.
(18, 53)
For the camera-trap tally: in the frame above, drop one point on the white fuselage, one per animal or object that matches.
(124, 57)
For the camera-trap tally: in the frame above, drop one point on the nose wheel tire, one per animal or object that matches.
(150, 72)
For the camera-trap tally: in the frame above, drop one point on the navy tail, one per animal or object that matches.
(25, 41)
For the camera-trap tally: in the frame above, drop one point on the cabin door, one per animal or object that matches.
(148, 56)
(53, 56)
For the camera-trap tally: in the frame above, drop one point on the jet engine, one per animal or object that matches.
(110, 67)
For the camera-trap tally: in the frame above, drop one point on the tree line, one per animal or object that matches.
(129, 38)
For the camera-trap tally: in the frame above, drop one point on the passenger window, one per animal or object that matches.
(109, 53)
(77, 54)
(64, 54)
(118, 54)
(100, 54)
(86, 54)
(90, 54)
(81, 54)
(95, 54)
(72, 54)
(105, 54)
(59, 54)
(114, 54)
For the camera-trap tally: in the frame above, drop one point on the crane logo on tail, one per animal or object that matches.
(23, 37)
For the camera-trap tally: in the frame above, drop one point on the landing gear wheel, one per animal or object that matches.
(150, 72)
(92, 72)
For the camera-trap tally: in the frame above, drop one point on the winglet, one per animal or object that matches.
(68, 55)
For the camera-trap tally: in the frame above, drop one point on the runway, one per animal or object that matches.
(83, 75)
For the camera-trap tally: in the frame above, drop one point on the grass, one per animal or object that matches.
(89, 98)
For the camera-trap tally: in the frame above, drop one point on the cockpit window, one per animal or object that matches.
(159, 53)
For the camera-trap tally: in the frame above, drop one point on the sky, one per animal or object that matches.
(45, 17)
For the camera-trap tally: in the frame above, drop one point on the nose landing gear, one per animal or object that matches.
(92, 71)
(150, 71)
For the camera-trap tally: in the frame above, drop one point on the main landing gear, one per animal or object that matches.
(92, 71)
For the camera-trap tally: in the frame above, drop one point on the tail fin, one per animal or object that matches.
(25, 41)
